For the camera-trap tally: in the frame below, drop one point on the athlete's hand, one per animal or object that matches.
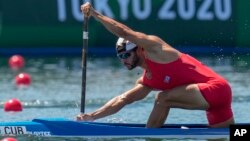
(86, 9)
(84, 117)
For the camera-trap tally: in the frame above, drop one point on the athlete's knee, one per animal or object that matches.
(165, 95)
(162, 98)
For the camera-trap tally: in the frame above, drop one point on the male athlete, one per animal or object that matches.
(182, 81)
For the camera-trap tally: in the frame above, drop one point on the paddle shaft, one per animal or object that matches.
(84, 62)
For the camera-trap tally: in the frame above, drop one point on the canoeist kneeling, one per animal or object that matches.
(183, 81)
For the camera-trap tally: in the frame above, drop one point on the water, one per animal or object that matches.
(56, 88)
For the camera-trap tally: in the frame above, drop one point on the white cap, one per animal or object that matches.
(124, 45)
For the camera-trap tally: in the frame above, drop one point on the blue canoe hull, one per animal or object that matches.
(70, 128)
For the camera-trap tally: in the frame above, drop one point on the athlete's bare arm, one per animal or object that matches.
(121, 30)
(155, 48)
(117, 103)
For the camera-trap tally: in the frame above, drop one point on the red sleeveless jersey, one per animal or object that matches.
(184, 70)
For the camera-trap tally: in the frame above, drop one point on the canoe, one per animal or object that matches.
(60, 127)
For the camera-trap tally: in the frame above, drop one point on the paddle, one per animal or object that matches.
(84, 61)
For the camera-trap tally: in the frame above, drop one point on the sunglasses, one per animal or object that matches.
(123, 55)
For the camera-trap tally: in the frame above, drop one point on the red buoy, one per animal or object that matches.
(13, 105)
(16, 62)
(23, 79)
(8, 139)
